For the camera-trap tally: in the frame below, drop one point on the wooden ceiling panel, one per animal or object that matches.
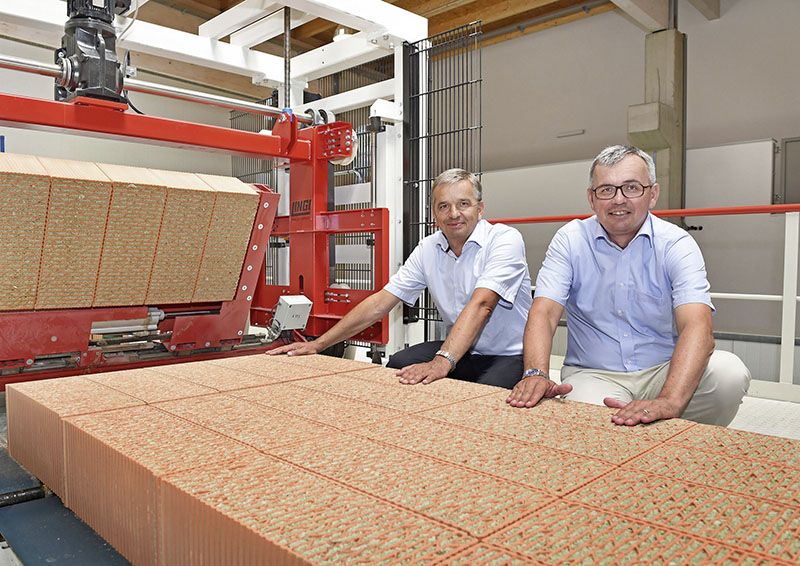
(502, 20)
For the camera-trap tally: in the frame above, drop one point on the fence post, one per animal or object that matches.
(789, 303)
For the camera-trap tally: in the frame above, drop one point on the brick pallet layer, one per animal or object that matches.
(278, 460)
(77, 235)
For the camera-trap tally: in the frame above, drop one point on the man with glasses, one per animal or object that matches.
(477, 275)
(638, 309)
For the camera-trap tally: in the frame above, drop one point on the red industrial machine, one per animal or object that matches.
(54, 343)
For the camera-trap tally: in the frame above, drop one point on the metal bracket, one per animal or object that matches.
(286, 129)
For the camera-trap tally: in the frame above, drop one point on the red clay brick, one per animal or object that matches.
(611, 445)
(530, 464)
(257, 426)
(560, 482)
(334, 410)
(274, 367)
(222, 378)
(35, 429)
(280, 509)
(114, 460)
(457, 497)
(327, 363)
(150, 386)
(452, 389)
(485, 555)
(741, 444)
(739, 475)
(24, 194)
(570, 534)
(407, 398)
(748, 523)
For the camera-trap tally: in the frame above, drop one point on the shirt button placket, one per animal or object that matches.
(623, 308)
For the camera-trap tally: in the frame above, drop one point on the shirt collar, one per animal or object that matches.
(478, 236)
(646, 229)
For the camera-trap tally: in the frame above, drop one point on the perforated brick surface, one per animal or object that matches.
(224, 375)
(293, 512)
(150, 385)
(77, 234)
(36, 410)
(297, 464)
(113, 464)
(235, 206)
(24, 194)
(129, 245)
(73, 239)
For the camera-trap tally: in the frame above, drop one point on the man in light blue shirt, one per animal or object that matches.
(638, 309)
(478, 278)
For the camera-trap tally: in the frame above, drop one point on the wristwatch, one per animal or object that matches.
(447, 356)
(535, 372)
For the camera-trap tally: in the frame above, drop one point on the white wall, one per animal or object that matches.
(50, 144)
(742, 85)
(743, 82)
(743, 254)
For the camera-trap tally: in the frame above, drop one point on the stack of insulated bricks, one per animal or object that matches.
(310, 459)
(77, 235)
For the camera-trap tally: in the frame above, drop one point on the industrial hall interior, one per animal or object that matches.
(447, 282)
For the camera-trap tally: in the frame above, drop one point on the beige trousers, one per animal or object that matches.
(715, 401)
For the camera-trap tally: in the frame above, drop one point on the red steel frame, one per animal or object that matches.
(28, 335)
(308, 229)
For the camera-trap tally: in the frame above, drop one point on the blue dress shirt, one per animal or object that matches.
(492, 258)
(620, 302)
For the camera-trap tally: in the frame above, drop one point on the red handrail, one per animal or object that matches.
(666, 213)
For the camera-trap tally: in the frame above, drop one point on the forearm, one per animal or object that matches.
(467, 328)
(689, 360)
(538, 338)
(366, 313)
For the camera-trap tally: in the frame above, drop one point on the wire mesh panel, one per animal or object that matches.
(352, 261)
(442, 77)
(253, 169)
(351, 256)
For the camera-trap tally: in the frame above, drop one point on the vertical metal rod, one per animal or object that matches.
(672, 15)
(287, 58)
(789, 302)
(373, 181)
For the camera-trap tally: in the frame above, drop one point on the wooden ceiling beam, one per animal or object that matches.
(709, 8)
(519, 31)
(652, 15)
(192, 7)
(431, 8)
(156, 13)
(200, 78)
(485, 11)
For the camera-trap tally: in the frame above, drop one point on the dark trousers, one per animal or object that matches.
(500, 371)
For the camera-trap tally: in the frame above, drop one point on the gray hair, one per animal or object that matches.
(452, 176)
(613, 154)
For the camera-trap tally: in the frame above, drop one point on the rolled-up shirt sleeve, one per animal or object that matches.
(506, 267)
(409, 281)
(555, 276)
(686, 270)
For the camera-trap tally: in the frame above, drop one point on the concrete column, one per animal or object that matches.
(657, 125)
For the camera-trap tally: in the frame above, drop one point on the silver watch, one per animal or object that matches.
(534, 372)
(447, 356)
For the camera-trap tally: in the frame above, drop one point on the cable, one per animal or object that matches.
(128, 100)
(127, 62)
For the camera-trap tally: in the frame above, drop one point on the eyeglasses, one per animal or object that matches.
(461, 206)
(631, 189)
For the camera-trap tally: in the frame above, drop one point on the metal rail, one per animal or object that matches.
(134, 85)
